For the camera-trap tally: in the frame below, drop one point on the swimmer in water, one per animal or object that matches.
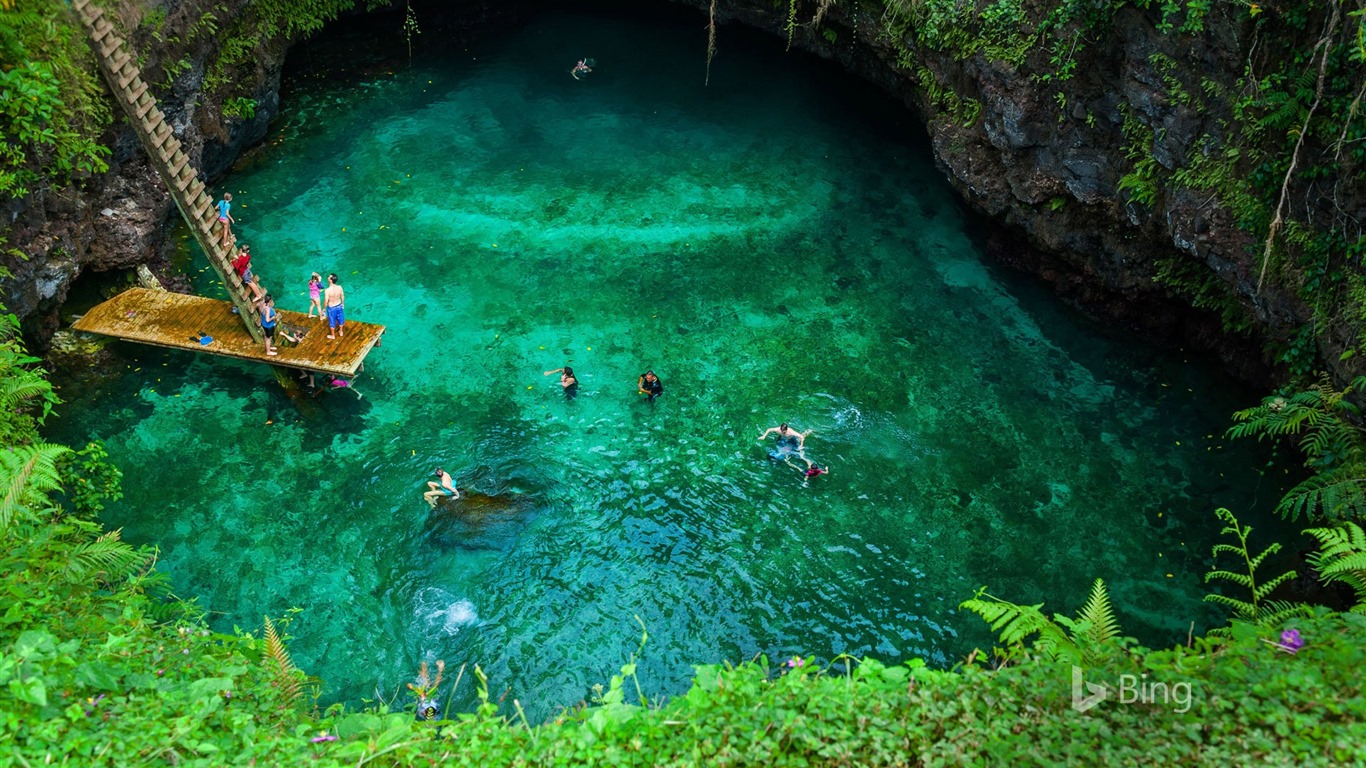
(649, 384)
(443, 486)
(790, 441)
(581, 68)
(567, 381)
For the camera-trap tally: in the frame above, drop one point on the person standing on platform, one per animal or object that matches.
(315, 292)
(335, 301)
(269, 317)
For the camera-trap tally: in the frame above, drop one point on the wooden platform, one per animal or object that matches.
(174, 320)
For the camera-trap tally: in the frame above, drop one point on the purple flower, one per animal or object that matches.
(324, 737)
(795, 661)
(1291, 641)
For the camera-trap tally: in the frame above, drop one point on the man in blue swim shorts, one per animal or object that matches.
(335, 302)
(443, 486)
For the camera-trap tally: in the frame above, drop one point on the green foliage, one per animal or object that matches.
(240, 107)
(1204, 290)
(1342, 557)
(1322, 420)
(1257, 609)
(1091, 636)
(91, 480)
(51, 111)
(1141, 182)
(263, 25)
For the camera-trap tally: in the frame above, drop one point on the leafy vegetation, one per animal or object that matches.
(51, 109)
(1323, 422)
(1257, 608)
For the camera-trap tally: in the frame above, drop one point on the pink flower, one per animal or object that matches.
(324, 736)
(795, 661)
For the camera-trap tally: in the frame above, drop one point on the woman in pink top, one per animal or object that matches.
(315, 292)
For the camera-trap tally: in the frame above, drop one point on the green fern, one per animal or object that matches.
(1342, 558)
(27, 475)
(1256, 609)
(1083, 639)
(288, 678)
(107, 558)
(1321, 417)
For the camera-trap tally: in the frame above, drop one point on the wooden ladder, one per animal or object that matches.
(120, 71)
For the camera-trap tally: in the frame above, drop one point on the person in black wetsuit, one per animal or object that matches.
(649, 384)
(568, 381)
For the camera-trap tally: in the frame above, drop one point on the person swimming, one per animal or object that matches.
(442, 487)
(568, 382)
(582, 68)
(790, 442)
(649, 384)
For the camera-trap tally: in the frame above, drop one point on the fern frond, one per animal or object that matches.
(1334, 494)
(1342, 556)
(286, 674)
(1014, 624)
(28, 474)
(1276, 613)
(1268, 587)
(1099, 615)
(1241, 579)
(1239, 607)
(1256, 562)
(108, 558)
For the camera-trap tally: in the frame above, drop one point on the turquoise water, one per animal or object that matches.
(778, 246)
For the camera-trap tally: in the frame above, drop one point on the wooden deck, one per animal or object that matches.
(174, 320)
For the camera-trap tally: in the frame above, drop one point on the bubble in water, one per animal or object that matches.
(442, 612)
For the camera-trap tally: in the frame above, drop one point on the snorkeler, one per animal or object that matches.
(581, 68)
(649, 384)
(567, 381)
(790, 442)
(443, 486)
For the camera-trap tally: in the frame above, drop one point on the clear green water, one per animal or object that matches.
(777, 246)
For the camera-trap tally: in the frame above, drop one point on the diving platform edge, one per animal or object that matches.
(174, 321)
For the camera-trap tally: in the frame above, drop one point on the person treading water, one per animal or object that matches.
(790, 442)
(582, 68)
(443, 486)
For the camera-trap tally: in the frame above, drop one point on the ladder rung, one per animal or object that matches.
(136, 92)
(101, 31)
(196, 187)
(179, 161)
(109, 50)
(128, 78)
(147, 113)
(122, 59)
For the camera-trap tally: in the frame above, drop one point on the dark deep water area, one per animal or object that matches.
(777, 246)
